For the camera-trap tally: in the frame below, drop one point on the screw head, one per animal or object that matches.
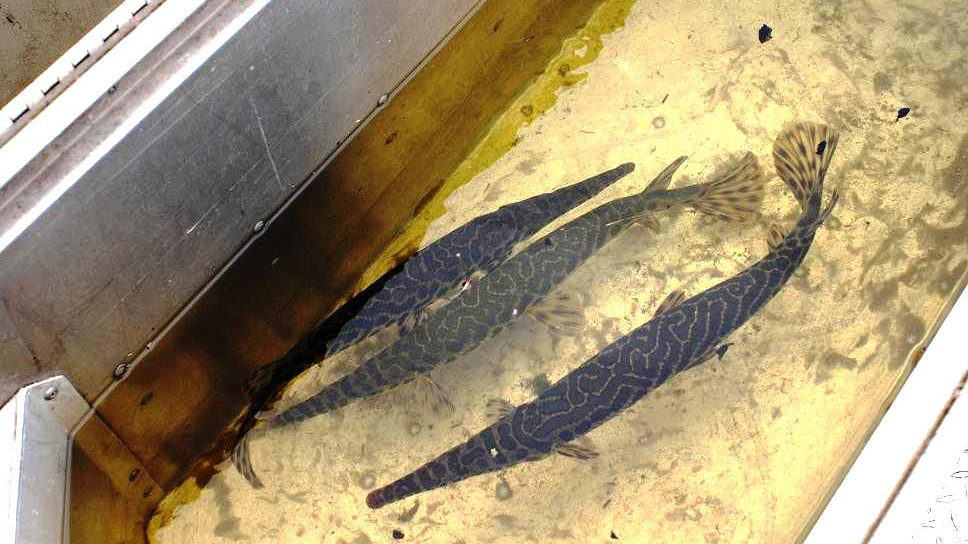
(258, 226)
(50, 393)
(120, 371)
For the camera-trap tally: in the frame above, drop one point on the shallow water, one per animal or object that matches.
(742, 449)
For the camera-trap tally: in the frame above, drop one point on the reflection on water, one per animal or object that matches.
(741, 449)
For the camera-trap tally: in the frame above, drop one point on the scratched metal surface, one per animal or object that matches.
(740, 450)
(88, 284)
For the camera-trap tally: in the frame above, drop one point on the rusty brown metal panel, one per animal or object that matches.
(99, 514)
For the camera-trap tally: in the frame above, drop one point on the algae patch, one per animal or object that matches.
(580, 48)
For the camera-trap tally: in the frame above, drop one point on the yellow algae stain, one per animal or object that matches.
(185, 493)
(579, 49)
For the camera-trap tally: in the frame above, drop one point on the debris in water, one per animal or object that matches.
(766, 33)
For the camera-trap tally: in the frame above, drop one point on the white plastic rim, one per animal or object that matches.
(863, 508)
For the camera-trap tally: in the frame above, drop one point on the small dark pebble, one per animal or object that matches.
(614, 536)
(766, 33)
(902, 113)
(397, 534)
(821, 147)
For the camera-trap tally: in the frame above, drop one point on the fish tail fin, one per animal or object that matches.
(662, 181)
(243, 463)
(735, 195)
(802, 155)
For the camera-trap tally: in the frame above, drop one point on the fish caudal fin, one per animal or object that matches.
(242, 462)
(736, 195)
(662, 181)
(802, 155)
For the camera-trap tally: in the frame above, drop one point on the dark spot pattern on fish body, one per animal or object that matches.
(676, 339)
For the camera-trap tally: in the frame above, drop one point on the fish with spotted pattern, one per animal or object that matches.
(441, 270)
(683, 334)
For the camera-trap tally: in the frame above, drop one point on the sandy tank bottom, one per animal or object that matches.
(741, 449)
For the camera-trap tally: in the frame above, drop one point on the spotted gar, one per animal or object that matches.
(488, 306)
(439, 270)
(682, 334)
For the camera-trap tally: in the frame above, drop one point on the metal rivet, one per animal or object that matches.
(50, 393)
(133, 475)
(258, 226)
(120, 371)
(383, 99)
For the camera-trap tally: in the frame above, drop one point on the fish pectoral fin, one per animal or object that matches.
(432, 395)
(717, 351)
(576, 451)
(736, 195)
(560, 311)
(672, 300)
(498, 408)
(649, 222)
(774, 236)
(264, 415)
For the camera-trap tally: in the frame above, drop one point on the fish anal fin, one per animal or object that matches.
(672, 300)
(645, 219)
(834, 198)
(774, 236)
(498, 408)
(432, 394)
(736, 195)
(576, 451)
(560, 311)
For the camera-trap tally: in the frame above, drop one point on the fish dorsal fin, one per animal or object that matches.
(774, 236)
(662, 181)
(560, 311)
(672, 300)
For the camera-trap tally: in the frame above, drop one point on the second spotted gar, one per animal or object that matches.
(488, 306)
(683, 334)
(438, 271)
